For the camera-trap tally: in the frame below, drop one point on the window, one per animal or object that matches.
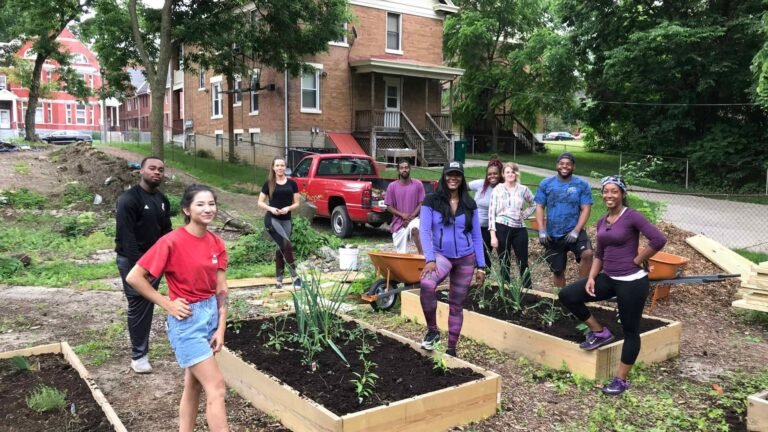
(302, 170)
(3, 82)
(39, 113)
(80, 114)
(48, 76)
(342, 41)
(165, 97)
(68, 109)
(238, 138)
(78, 59)
(23, 111)
(310, 91)
(238, 91)
(393, 32)
(201, 80)
(255, 136)
(255, 83)
(128, 105)
(216, 102)
(50, 113)
(90, 81)
(219, 139)
(91, 114)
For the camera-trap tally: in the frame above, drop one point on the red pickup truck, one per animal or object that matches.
(347, 189)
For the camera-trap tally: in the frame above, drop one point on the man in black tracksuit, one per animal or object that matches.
(143, 216)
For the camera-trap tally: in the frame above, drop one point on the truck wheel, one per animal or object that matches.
(340, 222)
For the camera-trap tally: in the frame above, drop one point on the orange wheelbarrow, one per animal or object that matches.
(397, 272)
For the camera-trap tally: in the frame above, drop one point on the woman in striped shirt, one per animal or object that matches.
(505, 221)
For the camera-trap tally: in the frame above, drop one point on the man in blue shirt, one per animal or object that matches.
(567, 201)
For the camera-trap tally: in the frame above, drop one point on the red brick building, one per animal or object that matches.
(58, 110)
(382, 85)
(136, 108)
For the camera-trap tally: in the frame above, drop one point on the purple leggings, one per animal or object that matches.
(461, 271)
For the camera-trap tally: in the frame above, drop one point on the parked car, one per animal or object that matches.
(66, 137)
(559, 136)
(347, 189)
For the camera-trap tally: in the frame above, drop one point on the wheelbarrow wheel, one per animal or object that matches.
(380, 287)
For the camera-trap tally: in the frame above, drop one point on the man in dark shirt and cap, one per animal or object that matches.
(143, 216)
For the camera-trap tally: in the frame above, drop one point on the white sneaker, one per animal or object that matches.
(141, 365)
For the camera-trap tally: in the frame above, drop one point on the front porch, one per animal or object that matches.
(398, 109)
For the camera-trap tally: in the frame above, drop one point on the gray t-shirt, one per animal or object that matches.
(483, 200)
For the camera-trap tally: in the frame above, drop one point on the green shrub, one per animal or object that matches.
(46, 398)
(23, 199)
(253, 248)
(204, 154)
(76, 192)
(306, 240)
(175, 201)
(9, 266)
(80, 225)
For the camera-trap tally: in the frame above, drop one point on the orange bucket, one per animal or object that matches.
(665, 266)
(534, 224)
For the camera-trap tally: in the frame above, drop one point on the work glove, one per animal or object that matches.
(544, 238)
(572, 237)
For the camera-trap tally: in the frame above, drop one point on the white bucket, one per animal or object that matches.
(348, 258)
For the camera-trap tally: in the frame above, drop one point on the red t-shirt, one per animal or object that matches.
(189, 263)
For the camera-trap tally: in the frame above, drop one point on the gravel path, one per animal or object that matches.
(734, 224)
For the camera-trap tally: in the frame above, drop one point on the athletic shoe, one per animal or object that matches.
(430, 339)
(597, 339)
(451, 352)
(298, 283)
(141, 365)
(279, 284)
(616, 387)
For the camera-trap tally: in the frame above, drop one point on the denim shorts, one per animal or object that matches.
(190, 337)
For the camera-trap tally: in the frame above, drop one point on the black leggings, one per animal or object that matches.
(513, 239)
(630, 296)
(486, 245)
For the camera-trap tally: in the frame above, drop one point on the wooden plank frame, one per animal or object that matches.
(757, 412)
(70, 356)
(657, 345)
(435, 411)
(720, 255)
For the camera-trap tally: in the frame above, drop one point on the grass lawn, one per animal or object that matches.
(233, 177)
(586, 162)
(755, 257)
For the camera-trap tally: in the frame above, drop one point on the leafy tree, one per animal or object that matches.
(41, 22)
(674, 79)
(760, 65)
(513, 57)
(224, 36)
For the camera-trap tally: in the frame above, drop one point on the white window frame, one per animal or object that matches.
(90, 80)
(3, 82)
(92, 114)
(254, 133)
(50, 113)
(216, 103)
(344, 41)
(238, 94)
(219, 135)
(49, 75)
(69, 113)
(254, 93)
(238, 137)
(77, 114)
(399, 49)
(318, 71)
(201, 81)
(39, 113)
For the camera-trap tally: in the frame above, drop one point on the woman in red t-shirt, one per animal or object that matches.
(194, 262)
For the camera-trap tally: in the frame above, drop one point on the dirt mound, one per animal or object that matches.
(103, 174)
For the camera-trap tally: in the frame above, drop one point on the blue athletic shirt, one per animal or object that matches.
(563, 201)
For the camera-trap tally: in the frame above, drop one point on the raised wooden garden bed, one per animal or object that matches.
(757, 412)
(70, 357)
(657, 345)
(434, 411)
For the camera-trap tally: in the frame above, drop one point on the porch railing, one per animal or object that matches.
(437, 135)
(444, 121)
(412, 137)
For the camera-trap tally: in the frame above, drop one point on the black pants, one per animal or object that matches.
(486, 245)
(139, 311)
(513, 240)
(630, 296)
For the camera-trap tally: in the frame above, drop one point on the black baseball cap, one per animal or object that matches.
(566, 155)
(453, 167)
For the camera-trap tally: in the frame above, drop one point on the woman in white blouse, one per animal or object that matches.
(511, 203)
(483, 189)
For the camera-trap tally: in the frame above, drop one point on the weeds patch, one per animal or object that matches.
(23, 199)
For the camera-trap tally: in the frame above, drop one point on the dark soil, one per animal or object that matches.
(54, 371)
(564, 326)
(403, 372)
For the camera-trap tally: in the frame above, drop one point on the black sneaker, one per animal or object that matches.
(298, 284)
(430, 339)
(451, 352)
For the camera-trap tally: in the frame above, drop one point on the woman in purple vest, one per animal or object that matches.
(449, 228)
(623, 275)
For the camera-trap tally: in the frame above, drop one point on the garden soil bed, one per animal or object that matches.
(403, 372)
(82, 411)
(660, 338)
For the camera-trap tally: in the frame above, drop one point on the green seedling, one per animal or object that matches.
(46, 398)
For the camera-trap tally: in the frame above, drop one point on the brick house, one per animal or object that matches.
(377, 91)
(137, 106)
(58, 110)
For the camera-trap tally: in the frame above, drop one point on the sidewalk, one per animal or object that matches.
(734, 224)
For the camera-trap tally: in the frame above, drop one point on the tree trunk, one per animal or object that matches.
(231, 119)
(34, 96)
(156, 119)
(494, 132)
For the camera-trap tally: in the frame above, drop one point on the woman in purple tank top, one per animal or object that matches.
(617, 271)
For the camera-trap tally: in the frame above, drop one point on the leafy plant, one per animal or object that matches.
(307, 241)
(76, 192)
(45, 398)
(80, 225)
(23, 199)
(316, 317)
(365, 278)
(583, 328)
(20, 363)
(237, 313)
(9, 266)
(277, 334)
(549, 310)
(438, 358)
(365, 383)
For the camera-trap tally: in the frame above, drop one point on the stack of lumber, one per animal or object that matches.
(754, 292)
